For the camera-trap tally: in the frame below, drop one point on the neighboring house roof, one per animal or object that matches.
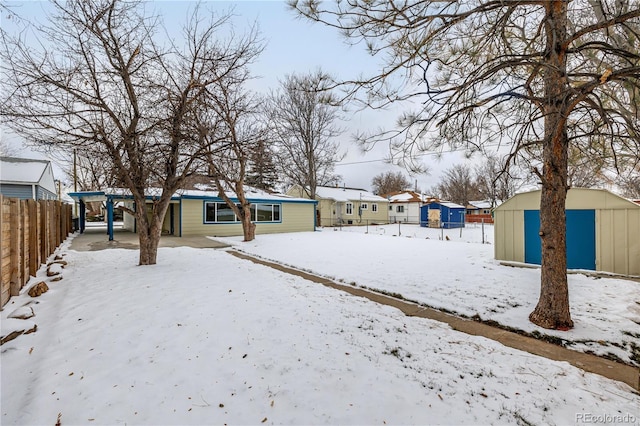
(484, 204)
(26, 171)
(22, 170)
(347, 194)
(408, 197)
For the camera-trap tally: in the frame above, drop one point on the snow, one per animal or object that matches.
(461, 275)
(347, 194)
(206, 338)
(21, 170)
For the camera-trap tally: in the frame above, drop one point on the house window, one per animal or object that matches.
(222, 213)
(266, 212)
(390, 208)
(399, 209)
(218, 212)
(364, 206)
(349, 208)
(374, 208)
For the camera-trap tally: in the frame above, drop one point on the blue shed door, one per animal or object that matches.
(581, 238)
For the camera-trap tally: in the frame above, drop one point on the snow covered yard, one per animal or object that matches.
(460, 275)
(206, 338)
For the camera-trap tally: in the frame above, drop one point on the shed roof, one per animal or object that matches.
(448, 204)
(577, 199)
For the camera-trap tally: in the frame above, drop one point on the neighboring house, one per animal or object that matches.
(442, 214)
(346, 206)
(202, 212)
(404, 206)
(479, 211)
(603, 231)
(27, 179)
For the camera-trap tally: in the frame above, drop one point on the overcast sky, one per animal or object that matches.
(293, 45)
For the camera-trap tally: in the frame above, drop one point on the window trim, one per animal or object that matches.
(364, 206)
(276, 211)
(348, 208)
(374, 207)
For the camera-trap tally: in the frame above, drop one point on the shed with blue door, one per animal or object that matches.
(603, 231)
(442, 214)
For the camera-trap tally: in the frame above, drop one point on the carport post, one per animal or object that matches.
(110, 218)
(82, 216)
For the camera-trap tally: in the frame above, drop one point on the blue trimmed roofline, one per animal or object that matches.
(82, 194)
(253, 200)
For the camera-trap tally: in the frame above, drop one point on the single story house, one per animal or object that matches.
(479, 211)
(404, 206)
(346, 206)
(442, 214)
(603, 231)
(202, 212)
(26, 178)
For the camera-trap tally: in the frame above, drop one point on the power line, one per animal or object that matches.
(412, 156)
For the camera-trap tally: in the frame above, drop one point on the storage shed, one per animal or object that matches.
(603, 231)
(442, 214)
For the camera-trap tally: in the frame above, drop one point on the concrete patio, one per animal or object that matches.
(95, 237)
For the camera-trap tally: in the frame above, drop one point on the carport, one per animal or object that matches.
(110, 198)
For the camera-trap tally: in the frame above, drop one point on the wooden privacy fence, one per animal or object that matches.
(31, 231)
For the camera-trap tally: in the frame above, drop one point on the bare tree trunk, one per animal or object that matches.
(150, 231)
(552, 310)
(149, 241)
(248, 227)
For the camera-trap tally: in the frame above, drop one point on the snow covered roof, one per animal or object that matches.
(484, 204)
(342, 194)
(204, 192)
(408, 197)
(22, 170)
(449, 204)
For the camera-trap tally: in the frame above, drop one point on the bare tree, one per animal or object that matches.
(97, 78)
(629, 183)
(458, 184)
(302, 116)
(496, 181)
(386, 183)
(231, 131)
(7, 150)
(497, 72)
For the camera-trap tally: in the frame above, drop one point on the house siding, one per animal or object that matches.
(296, 217)
(44, 194)
(129, 221)
(23, 192)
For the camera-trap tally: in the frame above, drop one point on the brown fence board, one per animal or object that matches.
(30, 231)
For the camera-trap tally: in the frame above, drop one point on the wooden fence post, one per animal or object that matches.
(44, 239)
(16, 238)
(34, 254)
(24, 244)
(5, 250)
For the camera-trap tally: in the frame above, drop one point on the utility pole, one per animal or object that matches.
(75, 180)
